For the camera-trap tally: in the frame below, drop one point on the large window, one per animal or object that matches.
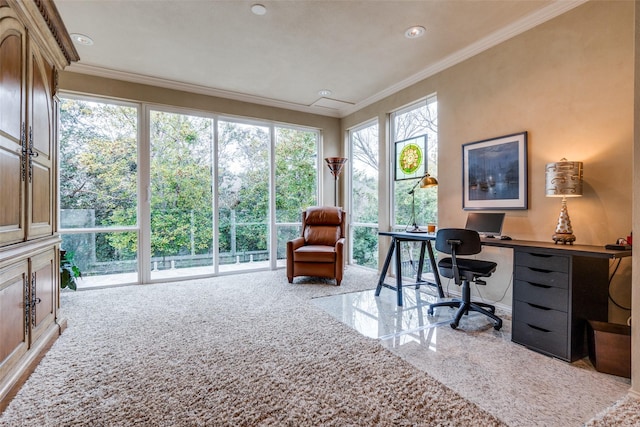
(215, 194)
(414, 120)
(364, 143)
(181, 183)
(296, 177)
(98, 188)
(243, 193)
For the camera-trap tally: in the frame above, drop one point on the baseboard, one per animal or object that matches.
(634, 394)
(20, 373)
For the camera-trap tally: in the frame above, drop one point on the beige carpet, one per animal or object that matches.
(237, 350)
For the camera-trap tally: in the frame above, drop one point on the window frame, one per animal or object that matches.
(350, 168)
(143, 223)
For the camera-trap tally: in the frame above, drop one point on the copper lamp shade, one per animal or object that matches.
(335, 166)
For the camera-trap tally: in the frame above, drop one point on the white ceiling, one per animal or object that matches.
(356, 49)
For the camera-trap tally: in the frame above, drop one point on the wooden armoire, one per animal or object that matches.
(34, 46)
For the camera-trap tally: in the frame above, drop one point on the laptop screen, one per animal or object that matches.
(486, 224)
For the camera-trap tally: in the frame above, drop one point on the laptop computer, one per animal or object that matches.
(486, 224)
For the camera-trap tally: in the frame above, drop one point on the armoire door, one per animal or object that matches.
(39, 145)
(43, 291)
(13, 322)
(12, 129)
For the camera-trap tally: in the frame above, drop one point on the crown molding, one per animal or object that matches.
(555, 9)
(518, 27)
(41, 17)
(197, 89)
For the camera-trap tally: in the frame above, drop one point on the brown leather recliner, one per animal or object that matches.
(318, 252)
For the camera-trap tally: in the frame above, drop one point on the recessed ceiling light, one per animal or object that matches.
(81, 39)
(414, 32)
(324, 92)
(258, 9)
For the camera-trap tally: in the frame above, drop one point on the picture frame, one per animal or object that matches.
(411, 158)
(494, 173)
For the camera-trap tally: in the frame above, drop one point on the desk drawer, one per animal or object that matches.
(542, 295)
(556, 279)
(542, 261)
(549, 342)
(542, 317)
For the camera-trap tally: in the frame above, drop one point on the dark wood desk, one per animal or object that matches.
(398, 237)
(550, 247)
(556, 289)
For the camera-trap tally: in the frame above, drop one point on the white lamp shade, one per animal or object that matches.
(563, 179)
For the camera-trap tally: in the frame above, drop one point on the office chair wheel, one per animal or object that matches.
(497, 327)
(430, 312)
(453, 325)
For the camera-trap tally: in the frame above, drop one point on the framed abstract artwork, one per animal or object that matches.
(410, 158)
(494, 173)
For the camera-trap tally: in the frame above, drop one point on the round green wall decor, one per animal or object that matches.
(410, 158)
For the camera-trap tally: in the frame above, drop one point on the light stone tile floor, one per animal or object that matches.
(519, 386)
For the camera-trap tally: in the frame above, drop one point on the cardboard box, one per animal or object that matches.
(610, 347)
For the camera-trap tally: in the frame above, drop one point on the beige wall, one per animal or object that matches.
(330, 127)
(569, 84)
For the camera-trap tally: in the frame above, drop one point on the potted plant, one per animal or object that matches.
(69, 271)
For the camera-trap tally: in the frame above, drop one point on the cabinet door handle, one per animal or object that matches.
(23, 153)
(34, 301)
(27, 305)
(32, 154)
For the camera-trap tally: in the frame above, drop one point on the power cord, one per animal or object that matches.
(609, 288)
(503, 295)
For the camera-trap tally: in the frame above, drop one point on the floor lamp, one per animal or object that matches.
(335, 165)
(425, 181)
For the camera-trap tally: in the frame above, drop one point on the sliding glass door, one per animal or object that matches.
(296, 182)
(243, 195)
(181, 194)
(98, 217)
(151, 194)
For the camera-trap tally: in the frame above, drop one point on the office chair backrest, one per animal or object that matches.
(469, 241)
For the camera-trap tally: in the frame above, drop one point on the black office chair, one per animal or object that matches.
(458, 241)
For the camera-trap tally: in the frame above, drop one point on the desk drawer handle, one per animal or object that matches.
(538, 328)
(541, 255)
(540, 270)
(539, 307)
(538, 285)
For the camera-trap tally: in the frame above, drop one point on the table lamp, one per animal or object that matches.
(335, 165)
(425, 181)
(564, 179)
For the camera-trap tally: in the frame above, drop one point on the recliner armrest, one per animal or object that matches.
(339, 246)
(294, 244)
